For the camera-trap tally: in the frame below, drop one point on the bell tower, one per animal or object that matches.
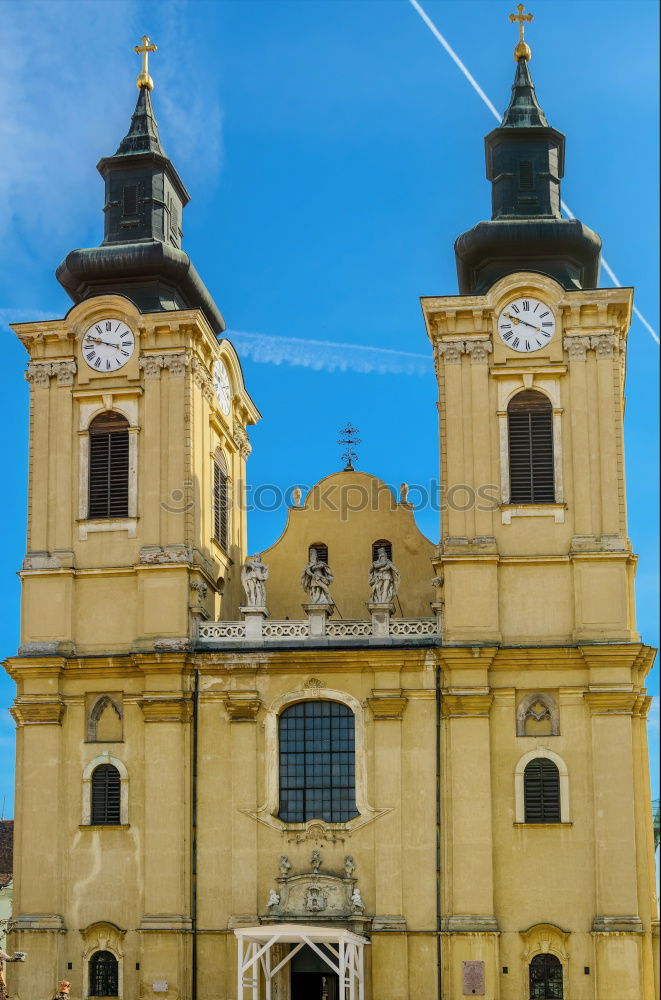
(138, 434)
(536, 575)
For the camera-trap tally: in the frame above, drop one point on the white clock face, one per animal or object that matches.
(108, 345)
(526, 324)
(221, 384)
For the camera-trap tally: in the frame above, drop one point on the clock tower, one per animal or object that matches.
(537, 584)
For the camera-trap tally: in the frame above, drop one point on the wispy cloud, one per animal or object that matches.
(325, 355)
(65, 105)
(653, 716)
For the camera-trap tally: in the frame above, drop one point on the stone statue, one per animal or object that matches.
(383, 578)
(315, 860)
(254, 574)
(297, 493)
(349, 866)
(274, 899)
(284, 865)
(356, 900)
(18, 956)
(404, 493)
(316, 580)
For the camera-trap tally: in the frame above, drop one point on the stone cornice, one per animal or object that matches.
(387, 704)
(35, 711)
(466, 704)
(157, 708)
(242, 706)
(611, 702)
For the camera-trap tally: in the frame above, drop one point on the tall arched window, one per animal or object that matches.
(104, 975)
(541, 790)
(546, 978)
(220, 500)
(530, 425)
(317, 762)
(108, 490)
(381, 543)
(106, 796)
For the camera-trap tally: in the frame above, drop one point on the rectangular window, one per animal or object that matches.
(220, 505)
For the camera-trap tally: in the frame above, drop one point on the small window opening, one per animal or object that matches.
(382, 543)
(130, 199)
(526, 176)
(321, 550)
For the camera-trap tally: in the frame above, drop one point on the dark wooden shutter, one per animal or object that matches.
(322, 551)
(541, 790)
(526, 176)
(382, 543)
(106, 793)
(104, 978)
(530, 422)
(130, 199)
(109, 467)
(220, 501)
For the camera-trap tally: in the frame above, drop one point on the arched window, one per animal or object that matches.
(317, 762)
(541, 790)
(381, 543)
(108, 489)
(220, 500)
(322, 551)
(106, 798)
(546, 978)
(104, 975)
(530, 426)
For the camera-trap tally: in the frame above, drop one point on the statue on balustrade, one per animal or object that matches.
(316, 580)
(254, 574)
(383, 578)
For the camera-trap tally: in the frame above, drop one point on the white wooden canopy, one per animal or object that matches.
(345, 958)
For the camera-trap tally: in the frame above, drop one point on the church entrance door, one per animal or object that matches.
(311, 979)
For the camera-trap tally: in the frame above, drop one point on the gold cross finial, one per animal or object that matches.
(144, 79)
(522, 51)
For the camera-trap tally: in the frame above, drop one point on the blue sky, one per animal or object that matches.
(333, 152)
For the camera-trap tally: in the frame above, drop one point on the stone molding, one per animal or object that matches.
(178, 644)
(576, 347)
(526, 707)
(605, 344)
(41, 560)
(469, 924)
(37, 712)
(202, 378)
(176, 363)
(166, 922)
(151, 555)
(157, 709)
(389, 922)
(452, 350)
(611, 702)
(242, 706)
(466, 705)
(628, 924)
(241, 441)
(39, 373)
(387, 704)
(38, 922)
(479, 350)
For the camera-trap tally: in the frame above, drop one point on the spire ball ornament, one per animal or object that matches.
(144, 79)
(522, 50)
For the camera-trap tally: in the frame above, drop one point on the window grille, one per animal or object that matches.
(546, 978)
(526, 176)
(220, 501)
(317, 762)
(322, 551)
(106, 795)
(130, 199)
(104, 975)
(108, 466)
(541, 791)
(530, 424)
(382, 543)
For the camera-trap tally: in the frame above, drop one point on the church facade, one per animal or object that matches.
(359, 764)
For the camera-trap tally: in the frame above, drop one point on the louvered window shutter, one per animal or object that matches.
(541, 789)
(109, 467)
(530, 422)
(106, 793)
(220, 501)
(382, 543)
(322, 551)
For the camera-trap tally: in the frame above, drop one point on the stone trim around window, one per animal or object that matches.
(105, 758)
(519, 799)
